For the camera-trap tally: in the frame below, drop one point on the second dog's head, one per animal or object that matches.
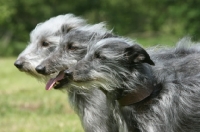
(110, 64)
(72, 47)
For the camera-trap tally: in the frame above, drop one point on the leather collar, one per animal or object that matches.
(139, 95)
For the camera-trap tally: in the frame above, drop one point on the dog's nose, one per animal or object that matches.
(68, 74)
(18, 64)
(41, 69)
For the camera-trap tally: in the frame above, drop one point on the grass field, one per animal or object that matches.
(25, 105)
(162, 39)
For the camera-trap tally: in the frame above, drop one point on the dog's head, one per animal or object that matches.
(43, 41)
(109, 64)
(72, 47)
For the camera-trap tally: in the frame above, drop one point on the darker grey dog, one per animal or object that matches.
(88, 104)
(143, 97)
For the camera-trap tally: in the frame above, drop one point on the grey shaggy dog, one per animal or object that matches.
(165, 96)
(88, 104)
(43, 41)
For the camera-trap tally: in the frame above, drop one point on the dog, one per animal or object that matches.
(88, 104)
(144, 96)
(43, 41)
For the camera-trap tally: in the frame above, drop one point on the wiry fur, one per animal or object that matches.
(119, 67)
(73, 47)
(48, 32)
(183, 48)
(89, 105)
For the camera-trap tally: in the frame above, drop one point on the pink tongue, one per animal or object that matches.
(52, 81)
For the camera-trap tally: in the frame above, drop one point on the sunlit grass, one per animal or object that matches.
(155, 40)
(25, 105)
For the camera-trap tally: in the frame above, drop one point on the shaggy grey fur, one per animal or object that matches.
(120, 67)
(72, 47)
(43, 41)
(89, 105)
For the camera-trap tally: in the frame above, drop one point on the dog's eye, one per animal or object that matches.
(72, 47)
(97, 55)
(45, 44)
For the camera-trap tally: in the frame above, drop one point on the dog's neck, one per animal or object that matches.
(139, 95)
(145, 89)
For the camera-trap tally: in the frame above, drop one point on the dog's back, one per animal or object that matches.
(176, 107)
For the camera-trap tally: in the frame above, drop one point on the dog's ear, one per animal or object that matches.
(137, 54)
(65, 29)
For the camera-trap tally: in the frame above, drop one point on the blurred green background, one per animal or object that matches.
(24, 105)
(139, 19)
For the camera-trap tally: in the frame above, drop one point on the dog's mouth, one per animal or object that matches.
(58, 82)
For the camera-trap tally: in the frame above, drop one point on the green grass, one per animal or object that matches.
(154, 40)
(25, 105)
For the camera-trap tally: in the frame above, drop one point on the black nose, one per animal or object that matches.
(68, 74)
(41, 69)
(18, 64)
